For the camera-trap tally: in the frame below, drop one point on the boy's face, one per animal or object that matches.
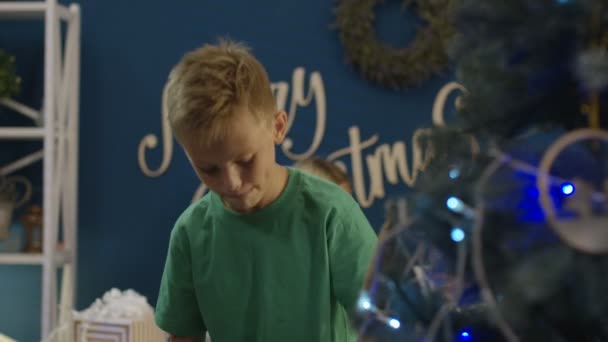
(241, 167)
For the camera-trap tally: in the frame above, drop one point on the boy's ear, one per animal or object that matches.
(280, 126)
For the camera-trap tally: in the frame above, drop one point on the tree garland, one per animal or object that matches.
(9, 81)
(388, 66)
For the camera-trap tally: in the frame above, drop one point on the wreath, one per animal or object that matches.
(9, 81)
(395, 67)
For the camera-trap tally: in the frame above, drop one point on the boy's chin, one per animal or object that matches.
(244, 205)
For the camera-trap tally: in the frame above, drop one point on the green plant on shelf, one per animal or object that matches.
(10, 82)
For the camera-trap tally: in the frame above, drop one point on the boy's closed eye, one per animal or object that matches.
(248, 160)
(208, 170)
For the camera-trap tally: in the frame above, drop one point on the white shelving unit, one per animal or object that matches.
(56, 125)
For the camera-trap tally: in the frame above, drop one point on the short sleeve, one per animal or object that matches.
(351, 243)
(177, 310)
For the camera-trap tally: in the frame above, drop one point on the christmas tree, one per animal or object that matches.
(508, 237)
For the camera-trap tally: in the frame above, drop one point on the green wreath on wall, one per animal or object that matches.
(9, 81)
(395, 67)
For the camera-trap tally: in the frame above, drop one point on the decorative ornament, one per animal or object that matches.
(588, 230)
(395, 67)
(10, 83)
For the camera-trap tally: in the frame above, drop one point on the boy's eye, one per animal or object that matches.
(246, 161)
(209, 170)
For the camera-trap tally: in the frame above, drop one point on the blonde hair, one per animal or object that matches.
(210, 84)
(325, 169)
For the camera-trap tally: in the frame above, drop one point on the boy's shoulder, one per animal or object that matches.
(195, 215)
(324, 192)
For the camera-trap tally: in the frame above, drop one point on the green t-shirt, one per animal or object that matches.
(288, 272)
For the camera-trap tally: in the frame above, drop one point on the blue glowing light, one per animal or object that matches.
(455, 204)
(457, 234)
(364, 302)
(568, 189)
(465, 336)
(454, 173)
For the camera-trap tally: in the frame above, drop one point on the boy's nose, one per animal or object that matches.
(232, 179)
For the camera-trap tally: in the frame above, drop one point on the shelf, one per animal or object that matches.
(54, 126)
(21, 163)
(21, 133)
(29, 9)
(21, 109)
(61, 257)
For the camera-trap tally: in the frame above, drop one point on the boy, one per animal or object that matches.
(270, 254)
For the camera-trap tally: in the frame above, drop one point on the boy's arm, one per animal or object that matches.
(351, 242)
(177, 310)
